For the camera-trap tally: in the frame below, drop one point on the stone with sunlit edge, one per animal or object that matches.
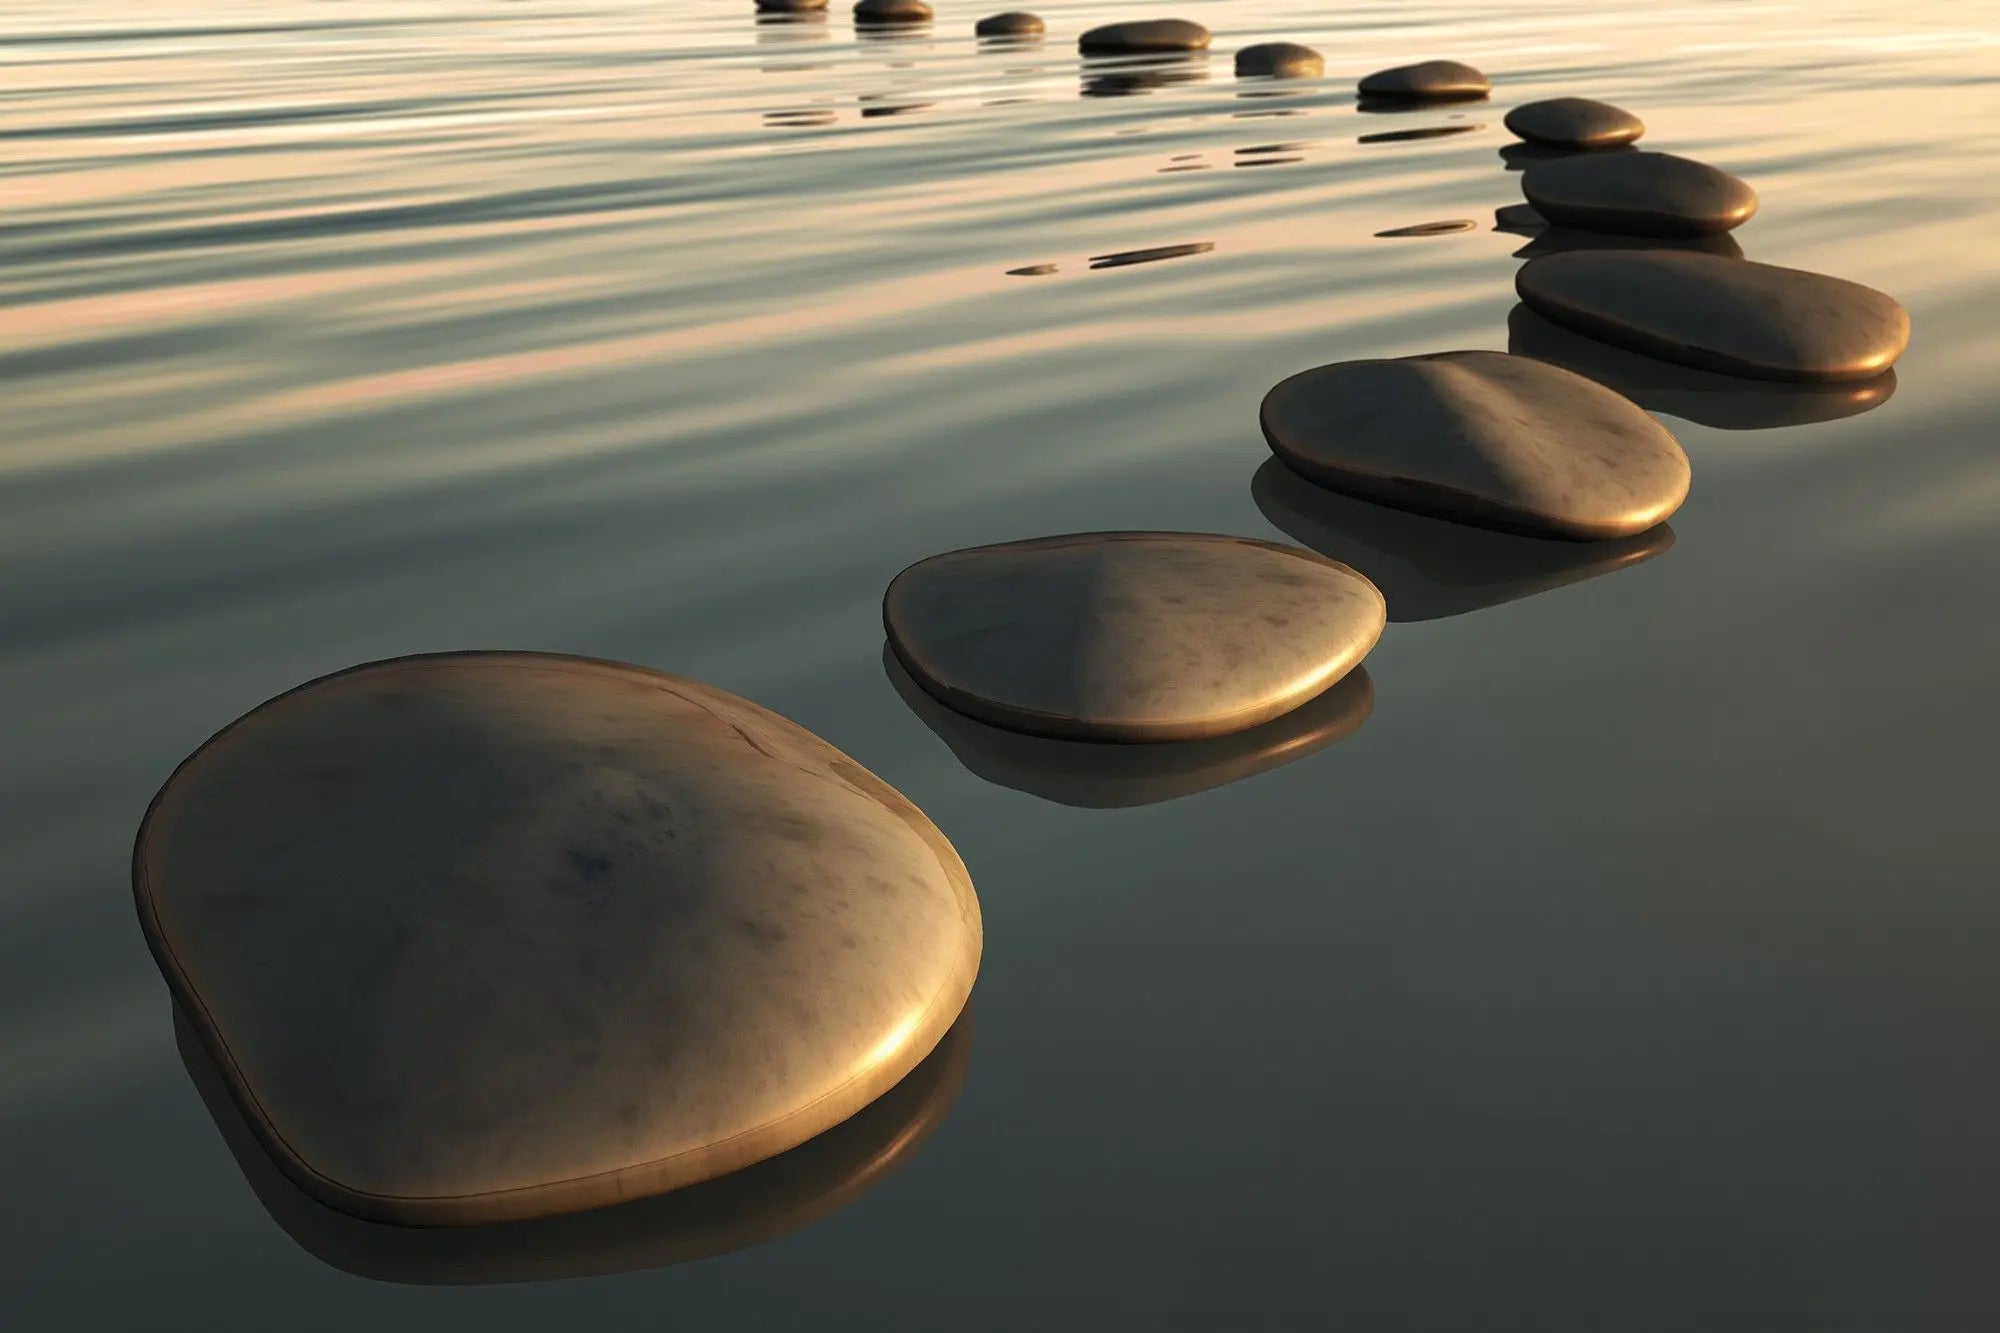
(1142, 36)
(1279, 60)
(892, 11)
(1731, 315)
(1130, 636)
(1645, 194)
(1481, 437)
(1013, 23)
(1427, 81)
(484, 936)
(1574, 122)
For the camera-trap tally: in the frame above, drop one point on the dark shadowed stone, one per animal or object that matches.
(790, 6)
(892, 11)
(1430, 568)
(1483, 437)
(1139, 36)
(1706, 397)
(1647, 194)
(1735, 316)
(1013, 23)
(1574, 122)
(1130, 636)
(1279, 60)
(1520, 219)
(744, 1208)
(490, 936)
(1428, 81)
(1563, 240)
(1104, 777)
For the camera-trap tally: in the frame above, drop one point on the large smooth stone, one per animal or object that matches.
(489, 936)
(1279, 60)
(1095, 776)
(1483, 437)
(1647, 194)
(892, 11)
(1731, 315)
(1144, 36)
(1130, 636)
(1432, 568)
(760, 1203)
(1013, 23)
(1429, 80)
(1574, 122)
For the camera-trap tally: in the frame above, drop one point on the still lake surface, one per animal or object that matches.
(1632, 965)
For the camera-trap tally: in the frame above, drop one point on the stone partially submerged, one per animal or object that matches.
(490, 936)
(1144, 37)
(1646, 194)
(1279, 60)
(1482, 437)
(1731, 315)
(1130, 636)
(1013, 23)
(1427, 81)
(1578, 123)
(892, 11)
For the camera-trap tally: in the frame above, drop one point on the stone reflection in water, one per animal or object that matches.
(1271, 154)
(1427, 132)
(1562, 240)
(734, 1212)
(1448, 227)
(876, 105)
(1127, 78)
(1100, 776)
(1521, 156)
(1124, 258)
(804, 118)
(1430, 568)
(1707, 398)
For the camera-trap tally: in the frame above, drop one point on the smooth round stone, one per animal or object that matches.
(892, 11)
(1144, 36)
(1732, 315)
(1130, 636)
(1647, 194)
(1482, 437)
(1574, 122)
(1279, 60)
(490, 936)
(1429, 80)
(1014, 23)
(790, 6)
(760, 1203)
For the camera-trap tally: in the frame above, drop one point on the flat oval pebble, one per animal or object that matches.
(489, 936)
(1140, 36)
(1279, 60)
(1429, 80)
(1483, 437)
(1574, 122)
(892, 11)
(1732, 315)
(790, 6)
(1130, 636)
(1646, 194)
(1013, 23)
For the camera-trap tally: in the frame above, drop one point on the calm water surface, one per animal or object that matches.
(1630, 966)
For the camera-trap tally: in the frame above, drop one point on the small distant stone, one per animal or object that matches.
(1130, 636)
(1279, 60)
(1482, 437)
(1574, 122)
(790, 6)
(1142, 36)
(1013, 23)
(892, 11)
(1428, 81)
(1445, 228)
(1731, 315)
(491, 936)
(1645, 194)
(1031, 271)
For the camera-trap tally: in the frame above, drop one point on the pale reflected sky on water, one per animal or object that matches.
(1630, 965)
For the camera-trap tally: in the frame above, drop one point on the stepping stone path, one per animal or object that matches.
(1574, 122)
(1482, 437)
(1279, 60)
(1645, 194)
(1014, 23)
(1429, 81)
(1130, 636)
(1144, 36)
(892, 11)
(1735, 316)
(489, 936)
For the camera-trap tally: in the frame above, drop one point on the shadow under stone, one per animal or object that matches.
(734, 1212)
(1127, 78)
(1105, 775)
(1724, 402)
(1431, 568)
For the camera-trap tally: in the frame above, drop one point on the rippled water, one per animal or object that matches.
(1625, 961)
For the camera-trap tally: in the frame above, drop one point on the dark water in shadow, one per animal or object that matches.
(1632, 963)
